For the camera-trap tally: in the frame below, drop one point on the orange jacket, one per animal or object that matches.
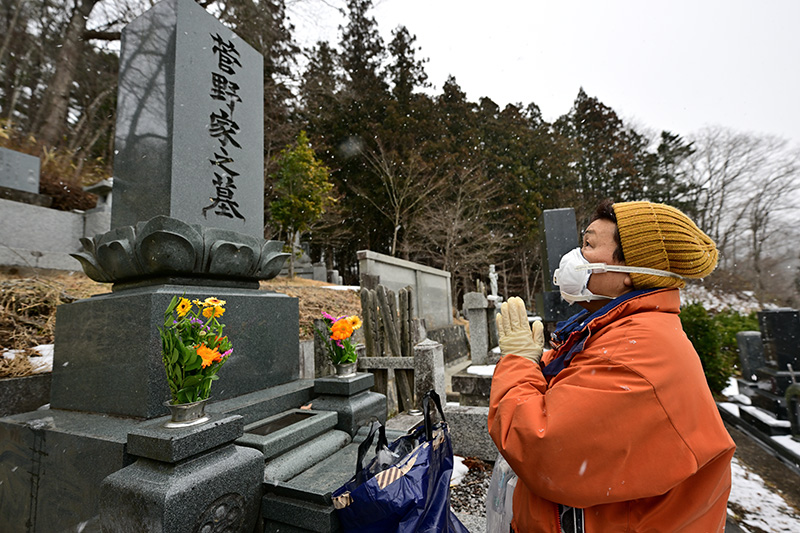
(628, 431)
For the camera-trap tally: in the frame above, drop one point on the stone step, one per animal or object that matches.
(304, 516)
(305, 499)
(303, 457)
(772, 403)
(764, 421)
(280, 433)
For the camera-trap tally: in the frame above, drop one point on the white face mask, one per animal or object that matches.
(573, 273)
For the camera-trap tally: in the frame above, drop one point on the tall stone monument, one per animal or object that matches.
(780, 333)
(559, 236)
(187, 219)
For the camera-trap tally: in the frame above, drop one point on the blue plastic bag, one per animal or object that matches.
(406, 487)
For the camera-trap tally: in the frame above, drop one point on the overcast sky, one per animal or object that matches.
(674, 65)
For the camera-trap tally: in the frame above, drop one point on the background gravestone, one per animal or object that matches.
(751, 353)
(189, 130)
(780, 334)
(559, 236)
(19, 171)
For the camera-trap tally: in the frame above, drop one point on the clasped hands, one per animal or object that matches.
(515, 334)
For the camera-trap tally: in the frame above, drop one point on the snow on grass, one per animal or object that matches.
(40, 364)
(758, 506)
(743, 302)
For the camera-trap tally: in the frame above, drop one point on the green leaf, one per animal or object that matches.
(171, 307)
(192, 381)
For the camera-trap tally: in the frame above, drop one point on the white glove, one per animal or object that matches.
(515, 334)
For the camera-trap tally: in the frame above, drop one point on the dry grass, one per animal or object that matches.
(314, 298)
(28, 305)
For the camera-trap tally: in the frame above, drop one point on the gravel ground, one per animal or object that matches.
(468, 498)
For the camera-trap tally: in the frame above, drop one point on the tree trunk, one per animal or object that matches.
(11, 28)
(55, 102)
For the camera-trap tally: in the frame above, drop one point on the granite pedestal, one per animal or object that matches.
(108, 350)
(167, 489)
(351, 398)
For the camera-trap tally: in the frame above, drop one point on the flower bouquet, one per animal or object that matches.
(337, 338)
(193, 347)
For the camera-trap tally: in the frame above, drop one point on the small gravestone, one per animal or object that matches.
(780, 334)
(559, 236)
(475, 306)
(19, 171)
(751, 353)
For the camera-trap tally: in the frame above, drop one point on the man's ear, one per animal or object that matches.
(628, 282)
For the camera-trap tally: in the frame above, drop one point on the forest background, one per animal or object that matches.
(361, 154)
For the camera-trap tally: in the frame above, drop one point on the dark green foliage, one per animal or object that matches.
(714, 339)
(730, 323)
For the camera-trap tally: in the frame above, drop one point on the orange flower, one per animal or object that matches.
(341, 330)
(208, 355)
(213, 310)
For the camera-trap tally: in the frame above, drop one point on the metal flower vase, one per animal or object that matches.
(345, 370)
(187, 414)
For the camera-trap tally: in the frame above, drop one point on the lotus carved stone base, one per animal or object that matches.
(164, 246)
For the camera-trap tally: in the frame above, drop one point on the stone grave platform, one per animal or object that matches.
(762, 425)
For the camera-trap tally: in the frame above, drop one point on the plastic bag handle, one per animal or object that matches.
(363, 448)
(426, 411)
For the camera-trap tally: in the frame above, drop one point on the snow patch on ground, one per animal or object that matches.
(762, 507)
(40, 364)
(481, 370)
(459, 470)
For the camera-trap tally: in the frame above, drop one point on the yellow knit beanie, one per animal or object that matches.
(662, 237)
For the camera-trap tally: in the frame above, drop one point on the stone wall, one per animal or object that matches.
(431, 286)
(35, 236)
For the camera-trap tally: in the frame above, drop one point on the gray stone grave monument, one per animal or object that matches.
(473, 389)
(19, 171)
(780, 334)
(476, 309)
(559, 236)
(19, 178)
(187, 219)
(751, 353)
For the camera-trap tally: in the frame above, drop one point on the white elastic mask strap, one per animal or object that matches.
(600, 268)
